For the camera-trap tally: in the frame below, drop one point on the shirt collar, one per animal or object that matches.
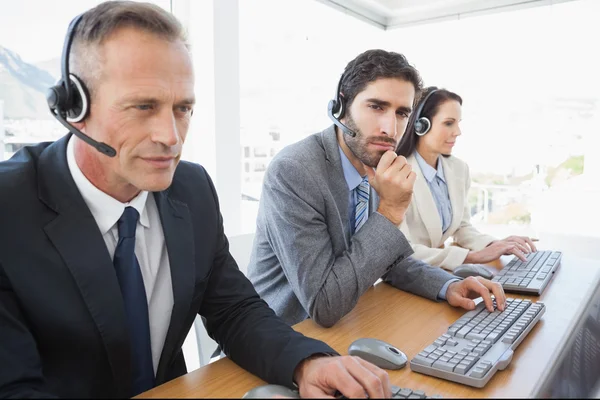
(428, 171)
(106, 209)
(353, 178)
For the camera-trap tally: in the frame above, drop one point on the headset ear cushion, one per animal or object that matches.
(422, 126)
(332, 106)
(341, 108)
(337, 108)
(80, 102)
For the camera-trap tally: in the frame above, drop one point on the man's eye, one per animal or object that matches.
(144, 107)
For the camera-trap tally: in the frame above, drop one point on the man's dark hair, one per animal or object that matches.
(408, 143)
(372, 65)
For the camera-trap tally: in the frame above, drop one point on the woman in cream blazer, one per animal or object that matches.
(439, 208)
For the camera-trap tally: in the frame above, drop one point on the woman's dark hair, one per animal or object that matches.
(408, 143)
(372, 65)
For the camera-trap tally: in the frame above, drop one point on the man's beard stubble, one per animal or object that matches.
(359, 145)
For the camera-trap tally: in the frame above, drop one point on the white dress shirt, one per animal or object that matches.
(150, 247)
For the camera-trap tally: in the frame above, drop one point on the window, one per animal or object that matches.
(29, 64)
(531, 110)
(527, 78)
(292, 54)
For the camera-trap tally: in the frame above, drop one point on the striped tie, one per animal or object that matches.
(362, 204)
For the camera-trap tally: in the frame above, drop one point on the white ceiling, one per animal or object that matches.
(387, 14)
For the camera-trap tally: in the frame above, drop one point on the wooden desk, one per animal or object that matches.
(411, 323)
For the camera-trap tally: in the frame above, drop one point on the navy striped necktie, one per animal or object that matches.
(361, 212)
(136, 306)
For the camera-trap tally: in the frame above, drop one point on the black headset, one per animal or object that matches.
(69, 100)
(423, 124)
(336, 110)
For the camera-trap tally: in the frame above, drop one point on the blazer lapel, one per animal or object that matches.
(76, 237)
(179, 238)
(426, 205)
(336, 181)
(456, 196)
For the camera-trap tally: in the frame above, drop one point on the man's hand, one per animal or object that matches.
(461, 293)
(393, 180)
(351, 376)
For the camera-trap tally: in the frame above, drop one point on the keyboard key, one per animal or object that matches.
(468, 363)
(471, 335)
(439, 352)
(444, 366)
(477, 373)
(405, 392)
(493, 336)
(422, 360)
(461, 369)
(462, 332)
(430, 349)
(509, 338)
(419, 393)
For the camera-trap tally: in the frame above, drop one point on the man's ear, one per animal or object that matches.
(80, 126)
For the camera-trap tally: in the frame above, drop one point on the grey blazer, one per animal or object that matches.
(304, 261)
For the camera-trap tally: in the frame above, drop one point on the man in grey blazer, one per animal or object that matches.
(331, 204)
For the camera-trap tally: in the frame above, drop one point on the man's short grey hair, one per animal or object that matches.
(98, 23)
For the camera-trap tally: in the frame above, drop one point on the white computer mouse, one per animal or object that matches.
(467, 270)
(378, 352)
(270, 391)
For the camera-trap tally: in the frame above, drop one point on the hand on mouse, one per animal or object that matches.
(461, 293)
(354, 377)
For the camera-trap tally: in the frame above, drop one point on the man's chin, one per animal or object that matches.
(156, 182)
(373, 159)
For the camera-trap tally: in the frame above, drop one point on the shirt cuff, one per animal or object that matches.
(444, 289)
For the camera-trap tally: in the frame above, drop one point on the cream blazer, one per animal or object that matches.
(422, 225)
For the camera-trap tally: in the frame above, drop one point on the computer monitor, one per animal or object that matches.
(574, 368)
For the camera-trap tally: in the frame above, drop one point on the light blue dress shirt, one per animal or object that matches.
(439, 189)
(353, 179)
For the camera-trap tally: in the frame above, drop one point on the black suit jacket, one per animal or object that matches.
(62, 320)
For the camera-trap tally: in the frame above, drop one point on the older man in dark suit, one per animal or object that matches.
(106, 257)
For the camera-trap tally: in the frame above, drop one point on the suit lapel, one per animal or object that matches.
(426, 205)
(456, 196)
(76, 237)
(179, 238)
(336, 181)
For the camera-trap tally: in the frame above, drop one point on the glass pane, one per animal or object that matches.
(531, 112)
(31, 38)
(292, 54)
